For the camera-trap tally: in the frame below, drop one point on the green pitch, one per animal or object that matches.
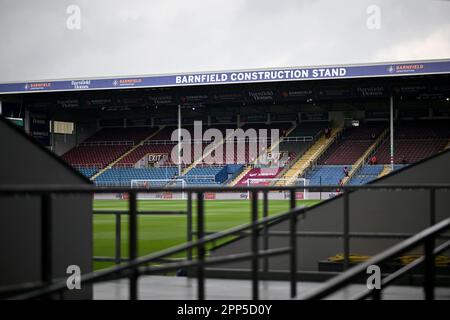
(163, 231)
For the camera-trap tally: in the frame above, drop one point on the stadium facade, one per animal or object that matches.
(340, 126)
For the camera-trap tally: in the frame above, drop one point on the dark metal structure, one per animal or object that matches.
(362, 222)
(26, 225)
(137, 266)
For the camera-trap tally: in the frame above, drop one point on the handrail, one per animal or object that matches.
(62, 188)
(99, 275)
(107, 143)
(399, 273)
(346, 278)
(363, 159)
(130, 269)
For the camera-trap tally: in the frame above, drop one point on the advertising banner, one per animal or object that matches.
(40, 127)
(231, 77)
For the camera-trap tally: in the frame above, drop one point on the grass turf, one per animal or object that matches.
(158, 232)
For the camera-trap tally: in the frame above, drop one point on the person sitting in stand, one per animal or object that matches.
(346, 172)
(373, 160)
(341, 183)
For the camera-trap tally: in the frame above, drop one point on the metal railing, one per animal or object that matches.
(426, 238)
(137, 266)
(107, 143)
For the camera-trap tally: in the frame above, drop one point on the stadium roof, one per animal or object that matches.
(406, 68)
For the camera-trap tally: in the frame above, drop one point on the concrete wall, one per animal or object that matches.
(370, 211)
(26, 163)
(64, 142)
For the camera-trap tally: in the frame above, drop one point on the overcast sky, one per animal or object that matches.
(136, 37)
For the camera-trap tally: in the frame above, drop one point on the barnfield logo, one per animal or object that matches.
(409, 67)
(405, 68)
(126, 82)
(224, 147)
(37, 86)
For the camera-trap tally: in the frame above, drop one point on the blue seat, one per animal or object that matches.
(87, 172)
(366, 174)
(123, 176)
(206, 175)
(326, 175)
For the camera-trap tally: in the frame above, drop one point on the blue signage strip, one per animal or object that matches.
(230, 77)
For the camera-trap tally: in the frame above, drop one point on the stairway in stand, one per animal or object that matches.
(309, 157)
(386, 170)
(137, 145)
(240, 176)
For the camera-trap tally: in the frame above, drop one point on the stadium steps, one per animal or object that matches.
(447, 146)
(386, 170)
(238, 287)
(360, 162)
(241, 175)
(278, 142)
(292, 161)
(137, 145)
(310, 156)
(199, 160)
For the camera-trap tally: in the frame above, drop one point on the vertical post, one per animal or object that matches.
(189, 224)
(254, 244)
(266, 231)
(133, 244)
(432, 206)
(432, 212)
(293, 245)
(391, 130)
(201, 247)
(179, 140)
(320, 184)
(376, 295)
(52, 134)
(118, 254)
(428, 283)
(346, 239)
(292, 200)
(46, 239)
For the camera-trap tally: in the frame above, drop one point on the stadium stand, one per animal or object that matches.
(161, 144)
(352, 144)
(105, 146)
(124, 148)
(409, 151)
(121, 134)
(302, 163)
(123, 176)
(246, 157)
(415, 140)
(261, 174)
(328, 175)
(94, 156)
(87, 171)
(206, 175)
(300, 139)
(348, 149)
(295, 143)
(366, 174)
